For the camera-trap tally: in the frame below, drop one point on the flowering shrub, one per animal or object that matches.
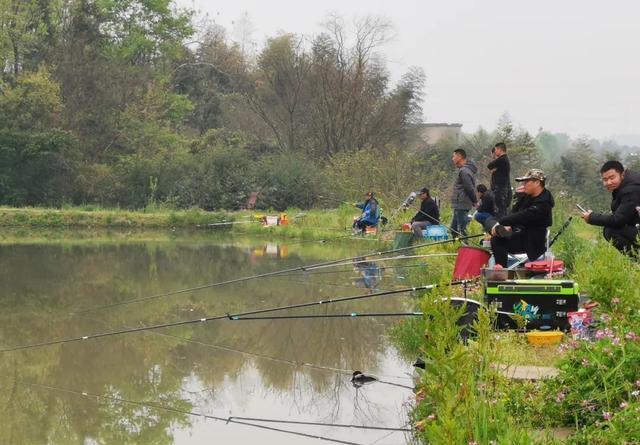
(598, 379)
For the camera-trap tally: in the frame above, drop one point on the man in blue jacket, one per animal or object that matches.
(370, 213)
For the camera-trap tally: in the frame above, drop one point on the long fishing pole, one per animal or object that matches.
(328, 272)
(349, 315)
(277, 272)
(226, 316)
(227, 420)
(276, 359)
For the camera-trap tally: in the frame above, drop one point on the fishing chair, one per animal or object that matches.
(521, 258)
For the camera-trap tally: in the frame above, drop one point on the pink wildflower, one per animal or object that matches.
(560, 396)
(600, 334)
(623, 405)
(632, 336)
(615, 340)
(615, 300)
(606, 415)
(585, 362)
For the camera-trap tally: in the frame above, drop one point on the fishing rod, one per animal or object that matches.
(226, 223)
(326, 272)
(274, 273)
(335, 425)
(226, 316)
(376, 260)
(226, 420)
(273, 359)
(349, 315)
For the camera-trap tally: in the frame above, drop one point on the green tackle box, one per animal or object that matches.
(544, 304)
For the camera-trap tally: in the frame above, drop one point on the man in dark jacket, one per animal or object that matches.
(486, 208)
(620, 226)
(524, 230)
(428, 214)
(464, 191)
(500, 181)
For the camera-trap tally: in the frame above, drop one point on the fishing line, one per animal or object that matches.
(226, 420)
(223, 317)
(270, 274)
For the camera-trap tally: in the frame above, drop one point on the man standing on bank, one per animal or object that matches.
(500, 181)
(620, 227)
(464, 192)
(427, 215)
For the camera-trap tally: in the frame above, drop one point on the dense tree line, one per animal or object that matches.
(129, 103)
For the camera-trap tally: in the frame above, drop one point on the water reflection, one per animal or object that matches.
(296, 369)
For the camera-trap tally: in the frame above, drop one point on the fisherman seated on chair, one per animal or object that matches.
(486, 204)
(427, 215)
(370, 213)
(620, 227)
(524, 229)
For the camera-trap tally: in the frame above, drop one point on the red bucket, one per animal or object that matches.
(469, 262)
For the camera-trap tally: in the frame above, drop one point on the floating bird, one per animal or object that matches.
(359, 379)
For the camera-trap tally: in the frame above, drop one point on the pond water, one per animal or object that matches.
(282, 369)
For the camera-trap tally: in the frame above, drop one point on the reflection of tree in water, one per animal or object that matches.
(149, 367)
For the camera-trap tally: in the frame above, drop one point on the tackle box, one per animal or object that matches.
(544, 304)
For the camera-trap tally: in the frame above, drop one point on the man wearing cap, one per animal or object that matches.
(524, 229)
(621, 226)
(428, 214)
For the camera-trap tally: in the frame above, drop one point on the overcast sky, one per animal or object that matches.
(565, 65)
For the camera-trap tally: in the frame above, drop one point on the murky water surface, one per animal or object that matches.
(147, 387)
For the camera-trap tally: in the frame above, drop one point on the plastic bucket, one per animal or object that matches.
(469, 262)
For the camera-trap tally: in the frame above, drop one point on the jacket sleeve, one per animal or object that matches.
(624, 215)
(467, 185)
(360, 206)
(493, 164)
(524, 216)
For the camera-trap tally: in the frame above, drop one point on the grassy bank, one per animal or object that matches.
(464, 398)
(319, 224)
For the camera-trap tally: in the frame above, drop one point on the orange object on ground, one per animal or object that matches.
(283, 219)
(406, 227)
(469, 262)
(369, 230)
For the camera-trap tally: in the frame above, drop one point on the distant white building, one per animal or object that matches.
(432, 133)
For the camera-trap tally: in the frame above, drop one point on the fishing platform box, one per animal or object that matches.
(544, 304)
